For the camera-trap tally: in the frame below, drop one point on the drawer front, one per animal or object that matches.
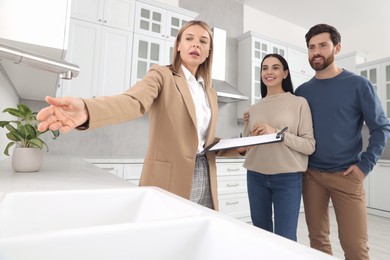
(232, 184)
(231, 169)
(114, 168)
(132, 171)
(235, 205)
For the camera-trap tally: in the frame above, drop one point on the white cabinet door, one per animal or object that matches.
(232, 190)
(115, 61)
(300, 68)
(235, 205)
(114, 168)
(379, 187)
(147, 51)
(113, 13)
(385, 67)
(104, 56)
(378, 72)
(373, 74)
(155, 31)
(252, 48)
(158, 22)
(84, 49)
(132, 172)
(88, 10)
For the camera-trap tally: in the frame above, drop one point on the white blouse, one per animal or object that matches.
(202, 106)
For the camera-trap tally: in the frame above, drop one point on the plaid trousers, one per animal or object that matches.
(200, 192)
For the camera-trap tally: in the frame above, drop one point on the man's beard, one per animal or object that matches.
(326, 62)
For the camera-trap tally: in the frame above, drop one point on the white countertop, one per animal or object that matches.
(129, 159)
(71, 209)
(58, 172)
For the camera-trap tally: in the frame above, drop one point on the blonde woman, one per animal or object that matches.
(182, 107)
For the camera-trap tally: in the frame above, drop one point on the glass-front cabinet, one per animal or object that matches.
(378, 72)
(155, 31)
(252, 48)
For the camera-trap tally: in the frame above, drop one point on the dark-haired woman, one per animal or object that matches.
(274, 170)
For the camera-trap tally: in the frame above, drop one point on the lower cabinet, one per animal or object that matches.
(114, 168)
(132, 172)
(129, 171)
(232, 189)
(377, 189)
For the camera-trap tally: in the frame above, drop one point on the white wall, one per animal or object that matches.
(8, 98)
(372, 37)
(273, 27)
(169, 2)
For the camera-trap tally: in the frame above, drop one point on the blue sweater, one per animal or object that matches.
(339, 106)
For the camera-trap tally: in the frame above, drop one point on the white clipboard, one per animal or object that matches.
(223, 144)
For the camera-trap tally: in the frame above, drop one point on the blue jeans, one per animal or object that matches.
(283, 192)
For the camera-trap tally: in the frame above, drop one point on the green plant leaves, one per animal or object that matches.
(24, 131)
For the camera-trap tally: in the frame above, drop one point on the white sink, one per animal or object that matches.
(136, 223)
(202, 237)
(35, 212)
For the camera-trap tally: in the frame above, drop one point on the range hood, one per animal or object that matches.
(34, 75)
(226, 92)
(33, 44)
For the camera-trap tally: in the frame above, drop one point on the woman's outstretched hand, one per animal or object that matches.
(63, 114)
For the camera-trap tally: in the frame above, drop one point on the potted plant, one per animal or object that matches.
(23, 133)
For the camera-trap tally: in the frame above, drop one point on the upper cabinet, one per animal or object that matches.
(115, 42)
(100, 42)
(252, 48)
(378, 72)
(300, 69)
(113, 13)
(155, 29)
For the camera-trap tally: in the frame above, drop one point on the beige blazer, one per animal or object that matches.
(172, 147)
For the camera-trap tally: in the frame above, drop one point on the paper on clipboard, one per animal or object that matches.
(246, 141)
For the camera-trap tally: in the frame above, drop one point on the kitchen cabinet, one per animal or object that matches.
(113, 13)
(300, 69)
(378, 72)
(132, 172)
(113, 168)
(231, 176)
(124, 168)
(104, 56)
(252, 48)
(379, 180)
(155, 29)
(349, 61)
(232, 189)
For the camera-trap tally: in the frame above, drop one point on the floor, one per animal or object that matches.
(378, 236)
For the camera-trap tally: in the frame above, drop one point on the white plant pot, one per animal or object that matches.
(27, 159)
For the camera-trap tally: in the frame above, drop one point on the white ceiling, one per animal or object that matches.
(343, 14)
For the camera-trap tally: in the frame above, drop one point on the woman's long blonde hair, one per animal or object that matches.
(204, 69)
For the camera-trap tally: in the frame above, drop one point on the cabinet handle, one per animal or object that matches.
(233, 169)
(384, 165)
(232, 203)
(232, 184)
(105, 21)
(109, 169)
(99, 20)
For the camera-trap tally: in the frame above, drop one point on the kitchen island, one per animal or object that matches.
(71, 209)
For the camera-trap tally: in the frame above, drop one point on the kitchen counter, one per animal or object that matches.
(58, 172)
(71, 209)
(127, 159)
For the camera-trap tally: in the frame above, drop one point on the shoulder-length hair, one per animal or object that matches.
(204, 69)
(287, 85)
